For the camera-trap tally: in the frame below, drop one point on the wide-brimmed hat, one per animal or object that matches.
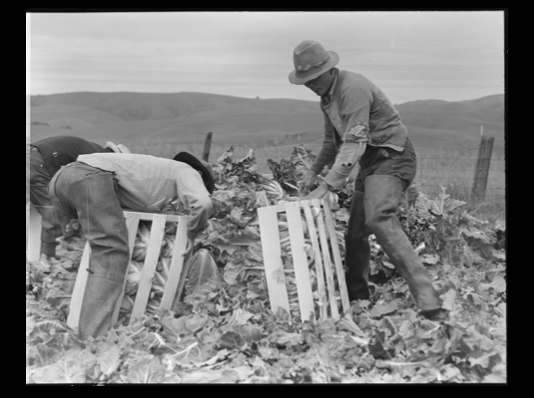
(199, 165)
(117, 148)
(311, 60)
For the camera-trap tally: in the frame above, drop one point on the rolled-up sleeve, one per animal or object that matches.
(354, 108)
(193, 193)
(346, 160)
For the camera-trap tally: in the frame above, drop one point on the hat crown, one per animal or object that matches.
(203, 167)
(308, 55)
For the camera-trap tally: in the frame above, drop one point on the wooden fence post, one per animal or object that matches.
(207, 147)
(482, 169)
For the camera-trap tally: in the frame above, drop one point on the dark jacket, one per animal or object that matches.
(62, 150)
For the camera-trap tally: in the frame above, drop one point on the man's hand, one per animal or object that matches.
(307, 182)
(189, 247)
(190, 241)
(319, 192)
(73, 225)
(72, 228)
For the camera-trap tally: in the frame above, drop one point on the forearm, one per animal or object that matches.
(348, 157)
(197, 200)
(198, 218)
(325, 157)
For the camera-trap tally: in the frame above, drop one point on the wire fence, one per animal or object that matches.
(452, 167)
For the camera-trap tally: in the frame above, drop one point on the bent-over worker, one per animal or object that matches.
(97, 188)
(43, 159)
(361, 125)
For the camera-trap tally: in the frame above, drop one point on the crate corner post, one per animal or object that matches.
(272, 258)
(34, 235)
(79, 289)
(177, 271)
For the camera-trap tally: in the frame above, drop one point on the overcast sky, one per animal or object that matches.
(410, 55)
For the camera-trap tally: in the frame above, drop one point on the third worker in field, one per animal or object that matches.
(43, 159)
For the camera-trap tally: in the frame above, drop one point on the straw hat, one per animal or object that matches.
(311, 60)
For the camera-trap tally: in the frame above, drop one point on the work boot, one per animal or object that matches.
(357, 251)
(381, 200)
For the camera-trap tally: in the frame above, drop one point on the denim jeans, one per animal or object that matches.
(387, 161)
(384, 175)
(37, 179)
(90, 195)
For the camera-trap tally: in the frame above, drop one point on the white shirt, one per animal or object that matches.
(148, 183)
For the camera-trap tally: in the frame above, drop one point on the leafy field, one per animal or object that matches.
(224, 332)
(453, 168)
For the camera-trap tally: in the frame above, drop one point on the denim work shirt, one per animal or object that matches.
(355, 111)
(148, 183)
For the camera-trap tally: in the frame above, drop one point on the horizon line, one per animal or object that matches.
(234, 96)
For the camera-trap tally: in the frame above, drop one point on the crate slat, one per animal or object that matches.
(300, 261)
(328, 264)
(337, 259)
(185, 272)
(176, 266)
(272, 258)
(149, 216)
(157, 232)
(321, 288)
(132, 224)
(79, 289)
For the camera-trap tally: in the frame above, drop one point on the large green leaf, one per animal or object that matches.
(148, 370)
(72, 368)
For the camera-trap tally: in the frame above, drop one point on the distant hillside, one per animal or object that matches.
(137, 118)
(461, 121)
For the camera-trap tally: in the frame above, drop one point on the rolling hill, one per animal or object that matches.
(136, 118)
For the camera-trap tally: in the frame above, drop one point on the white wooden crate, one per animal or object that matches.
(320, 231)
(174, 283)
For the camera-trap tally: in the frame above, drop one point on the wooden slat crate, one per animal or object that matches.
(307, 221)
(174, 283)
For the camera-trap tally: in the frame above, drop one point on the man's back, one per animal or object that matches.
(148, 183)
(61, 150)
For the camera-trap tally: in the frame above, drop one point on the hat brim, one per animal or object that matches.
(113, 147)
(299, 77)
(198, 165)
(123, 149)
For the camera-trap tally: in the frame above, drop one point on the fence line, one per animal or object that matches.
(274, 145)
(434, 168)
(495, 157)
(451, 167)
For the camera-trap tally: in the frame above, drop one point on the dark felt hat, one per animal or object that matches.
(199, 165)
(311, 60)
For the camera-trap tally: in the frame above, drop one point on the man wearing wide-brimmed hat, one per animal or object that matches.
(97, 188)
(43, 159)
(362, 126)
